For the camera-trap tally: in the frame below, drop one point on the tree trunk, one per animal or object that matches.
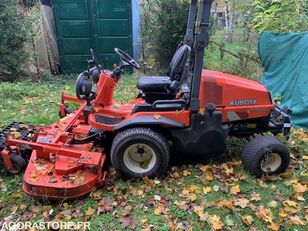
(229, 22)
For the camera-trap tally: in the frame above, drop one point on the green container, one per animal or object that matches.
(98, 24)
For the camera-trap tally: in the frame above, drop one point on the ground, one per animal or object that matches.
(212, 194)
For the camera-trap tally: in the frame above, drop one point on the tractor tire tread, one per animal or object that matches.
(254, 151)
(146, 133)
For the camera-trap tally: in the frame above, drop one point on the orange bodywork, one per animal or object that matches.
(105, 106)
(237, 98)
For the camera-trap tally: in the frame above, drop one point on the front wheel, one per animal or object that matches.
(140, 152)
(266, 155)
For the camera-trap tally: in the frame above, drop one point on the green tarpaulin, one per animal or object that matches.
(285, 60)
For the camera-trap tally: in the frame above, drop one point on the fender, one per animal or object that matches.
(149, 120)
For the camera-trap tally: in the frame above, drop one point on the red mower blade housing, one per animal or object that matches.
(61, 167)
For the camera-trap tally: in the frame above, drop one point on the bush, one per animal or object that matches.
(280, 16)
(163, 24)
(14, 26)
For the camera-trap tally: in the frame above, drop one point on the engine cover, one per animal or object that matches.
(238, 98)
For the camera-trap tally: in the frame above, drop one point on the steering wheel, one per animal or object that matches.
(126, 58)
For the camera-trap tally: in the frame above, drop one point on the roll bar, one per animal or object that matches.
(197, 36)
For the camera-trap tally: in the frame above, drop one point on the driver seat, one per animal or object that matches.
(166, 87)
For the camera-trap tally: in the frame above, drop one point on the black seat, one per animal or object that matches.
(154, 83)
(166, 87)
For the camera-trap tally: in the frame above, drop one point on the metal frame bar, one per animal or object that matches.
(200, 37)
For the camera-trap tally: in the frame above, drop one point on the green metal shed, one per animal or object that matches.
(98, 24)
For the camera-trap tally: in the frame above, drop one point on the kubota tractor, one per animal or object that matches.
(190, 111)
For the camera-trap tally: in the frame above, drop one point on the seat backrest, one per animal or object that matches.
(178, 62)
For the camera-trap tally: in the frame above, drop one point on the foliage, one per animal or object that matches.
(280, 15)
(209, 195)
(163, 27)
(214, 60)
(15, 31)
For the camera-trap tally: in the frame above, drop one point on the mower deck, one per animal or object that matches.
(64, 163)
(63, 177)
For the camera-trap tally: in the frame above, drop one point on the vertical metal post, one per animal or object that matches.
(189, 37)
(200, 43)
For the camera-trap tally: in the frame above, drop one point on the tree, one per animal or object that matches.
(229, 21)
(14, 33)
(280, 15)
(163, 26)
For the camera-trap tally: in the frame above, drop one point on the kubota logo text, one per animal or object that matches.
(243, 102)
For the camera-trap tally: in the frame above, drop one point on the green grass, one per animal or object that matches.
(36, 103)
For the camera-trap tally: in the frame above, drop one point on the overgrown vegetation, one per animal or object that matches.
(163, 28)
(279, 15)
(15, 31)
(193, 195)
(162, 31)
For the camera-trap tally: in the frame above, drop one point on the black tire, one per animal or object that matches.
(257, 149)
(67, 111)
(140, 136)
(19, 165)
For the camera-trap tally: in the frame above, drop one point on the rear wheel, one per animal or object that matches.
(140, 152)
(265, 156)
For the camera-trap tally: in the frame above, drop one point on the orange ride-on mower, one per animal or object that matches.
(189, 111)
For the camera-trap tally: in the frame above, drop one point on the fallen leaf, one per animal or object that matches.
(14, 209)
(140, 192)
(229, 171)
(158, 210)
(186, 173)
(182, 205)
(52, 180)
(127, 210)
(299, 188)
(255, 196)
(125, 221)
(192, 197)
(209, 176)
(157, 116)
(248, 220)
(16, 195)
(16, 135)
(283, 213)
(274, 226)
(241, 202)
(235, 190)
(226, 203)
(105, 205)
(264, 214)
(194, 188)
(200, 212)
(295, 220)
(272, 204)
(90, 212)
(207, 189)
(216, 222)
(291, 206)
(216, 188)
(97, 195)
(229, 221)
